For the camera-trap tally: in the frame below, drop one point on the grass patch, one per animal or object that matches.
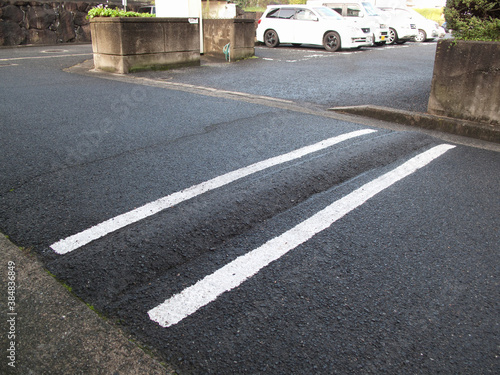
(434, 14)
(70, 289)
(255, 9)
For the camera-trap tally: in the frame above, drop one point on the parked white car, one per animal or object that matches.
(427, 29)
(302, 24)
(362, 14)
(402, 26)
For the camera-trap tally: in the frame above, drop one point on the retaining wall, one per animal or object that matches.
(466, 81)
(129, 44)
(23, 22)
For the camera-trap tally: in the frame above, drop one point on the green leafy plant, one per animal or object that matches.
(474, 19)
(104, 11)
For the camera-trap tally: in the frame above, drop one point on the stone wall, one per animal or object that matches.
(50, 23)
(466, 81)
(38, 22)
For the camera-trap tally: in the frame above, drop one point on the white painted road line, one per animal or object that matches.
(44, 57)
(185, 303)
(78, 240)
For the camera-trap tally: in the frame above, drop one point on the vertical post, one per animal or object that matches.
(202, 47)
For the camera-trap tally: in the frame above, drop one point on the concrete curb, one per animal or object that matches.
(485, 132)
(53, 332)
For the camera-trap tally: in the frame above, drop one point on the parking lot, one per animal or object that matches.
(396, 76)
(233, 225)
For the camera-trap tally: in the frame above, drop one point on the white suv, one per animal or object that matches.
(361, 13)
(302, 24)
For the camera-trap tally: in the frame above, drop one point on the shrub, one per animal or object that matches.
(104, 11)
(474, 19)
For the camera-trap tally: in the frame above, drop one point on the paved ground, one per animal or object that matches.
(56, 333)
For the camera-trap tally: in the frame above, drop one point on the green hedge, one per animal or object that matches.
(474, 19)
(104, 11)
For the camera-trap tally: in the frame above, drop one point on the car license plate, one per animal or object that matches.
(382, 37)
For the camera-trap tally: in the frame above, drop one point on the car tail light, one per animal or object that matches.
(258, 22)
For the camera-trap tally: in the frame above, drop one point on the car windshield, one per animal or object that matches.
(328, 13)
(370, 9)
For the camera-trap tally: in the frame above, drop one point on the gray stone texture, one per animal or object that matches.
(466, 81)
(11, 34)
(34, 22)
(40, 18)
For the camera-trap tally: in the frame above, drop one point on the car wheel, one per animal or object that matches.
(421, 36)
(393, 36)
(331, 41)
(271, 38)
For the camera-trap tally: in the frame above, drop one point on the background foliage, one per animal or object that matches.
(262, 4)
(104, 11)
(474, 19)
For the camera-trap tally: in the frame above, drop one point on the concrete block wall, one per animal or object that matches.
(124, 45)
(466, 81)
(238, 32)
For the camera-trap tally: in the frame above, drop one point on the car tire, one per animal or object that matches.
(421, 36)
(271, 38)
(331, 41)
(392, 37)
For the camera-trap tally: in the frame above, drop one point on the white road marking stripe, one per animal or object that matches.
(44, 57)
(75, 241)
(185, 303)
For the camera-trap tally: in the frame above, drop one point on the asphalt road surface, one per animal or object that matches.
(231, 225)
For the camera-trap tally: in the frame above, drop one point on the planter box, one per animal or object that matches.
(129, 44)
(466, 81)
(238, 32)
